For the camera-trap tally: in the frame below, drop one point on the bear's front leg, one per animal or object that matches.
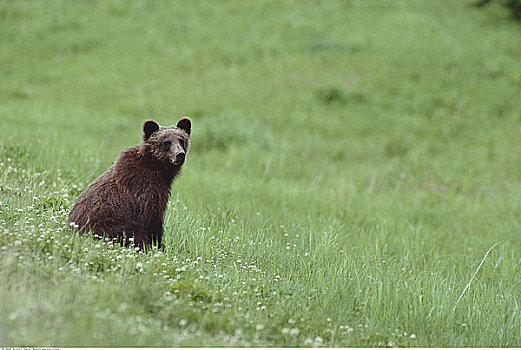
(138, 235)
(156, 234)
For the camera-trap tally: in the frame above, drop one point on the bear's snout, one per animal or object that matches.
(179, 158)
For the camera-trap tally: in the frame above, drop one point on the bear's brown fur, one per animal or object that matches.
(129, 199)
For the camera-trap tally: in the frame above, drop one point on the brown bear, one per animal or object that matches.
(129, 200)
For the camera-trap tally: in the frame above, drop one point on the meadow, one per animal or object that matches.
(351, 164)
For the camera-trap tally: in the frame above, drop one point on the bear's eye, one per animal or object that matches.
(167, 143)
(182, 143)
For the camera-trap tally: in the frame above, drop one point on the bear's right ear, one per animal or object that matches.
(149, 128)
(185, 124)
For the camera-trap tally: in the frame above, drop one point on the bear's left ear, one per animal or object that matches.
(149, 128)
(184, 124)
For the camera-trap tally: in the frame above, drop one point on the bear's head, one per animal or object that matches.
(168, 144)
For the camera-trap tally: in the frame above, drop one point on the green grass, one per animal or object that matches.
(351, 164)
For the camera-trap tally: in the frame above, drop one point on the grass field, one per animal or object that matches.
(351, 164)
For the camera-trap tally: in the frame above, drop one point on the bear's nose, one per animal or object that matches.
(180, 156)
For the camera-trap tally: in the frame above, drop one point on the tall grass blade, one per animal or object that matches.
(474, 275)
